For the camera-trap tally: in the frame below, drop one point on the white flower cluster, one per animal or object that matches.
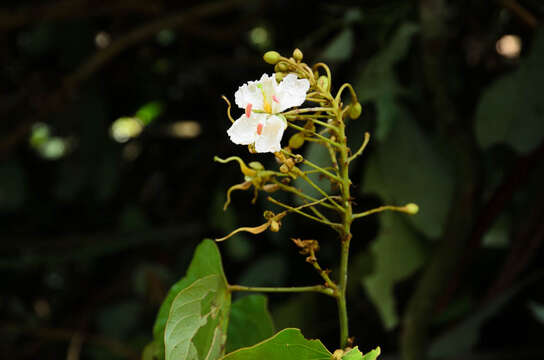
(263, 100)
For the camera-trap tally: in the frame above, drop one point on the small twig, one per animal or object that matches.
(361, 149)
(295, 289)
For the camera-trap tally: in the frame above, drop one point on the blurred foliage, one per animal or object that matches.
(96, 230)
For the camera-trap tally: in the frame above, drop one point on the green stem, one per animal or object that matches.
(294, 289)
(347, 219)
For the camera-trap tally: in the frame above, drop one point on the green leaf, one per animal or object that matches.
(340, 48)
(538, 311)
(378, 81)
(197, 323)
(398, 253)
(249, 323)
(356, 354)
(373, 355)
(206, 261)
(511, 109)
(406, 168)
(288, 344)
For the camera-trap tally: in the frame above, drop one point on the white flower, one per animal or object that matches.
(264, 128)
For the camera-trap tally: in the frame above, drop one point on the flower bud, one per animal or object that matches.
(355, 110)
(323, 82)
(282, 66)
(280, 76)
(290, 163)
(297, 54)
(284, 169)
(274, 226)
(296, 141)
(256, 165)
(270, 188)
(299, 158)
(268, 214)
(411, 208)
(271, 57)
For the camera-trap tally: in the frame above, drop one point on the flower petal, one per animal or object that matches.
(252, 92)
(291, 92)
(244, 130)
(270, 138)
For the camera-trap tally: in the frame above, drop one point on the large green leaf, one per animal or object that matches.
(397, 253)
(197, 325)
(288, 344)
(511, 110)
(406, 168)
(249, 323)
(206, 261)
(378, 81)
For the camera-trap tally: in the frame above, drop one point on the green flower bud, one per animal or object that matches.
(272, 57)
(411, 208)
(280, 76)
(296, 141)
(355, 111)
(282, 66)
(297, 54)
(323, 82)
(256, 165)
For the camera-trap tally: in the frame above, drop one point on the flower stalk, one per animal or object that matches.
(271, 105)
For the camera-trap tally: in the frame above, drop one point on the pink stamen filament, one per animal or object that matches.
(259, 129)
(248, 110)
(275, 99)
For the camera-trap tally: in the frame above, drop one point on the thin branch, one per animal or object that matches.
(521, 12)
(295, 289)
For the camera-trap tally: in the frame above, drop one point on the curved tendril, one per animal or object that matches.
(243, 167)
(243, 186)
(228, 108)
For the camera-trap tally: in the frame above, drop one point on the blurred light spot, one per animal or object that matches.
(148, 112)
(54, 148)
(166, 37)
(42, 308)
(509, 46)
(131, 151)
(125, 128)
(39, 135)
(102, 40)
(185, 129)
(259, 36)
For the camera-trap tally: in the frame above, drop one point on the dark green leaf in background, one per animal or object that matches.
(511, 111)
(249, 323)
(398, 253)
(406, 168)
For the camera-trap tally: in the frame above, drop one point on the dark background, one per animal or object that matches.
(96, 227)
